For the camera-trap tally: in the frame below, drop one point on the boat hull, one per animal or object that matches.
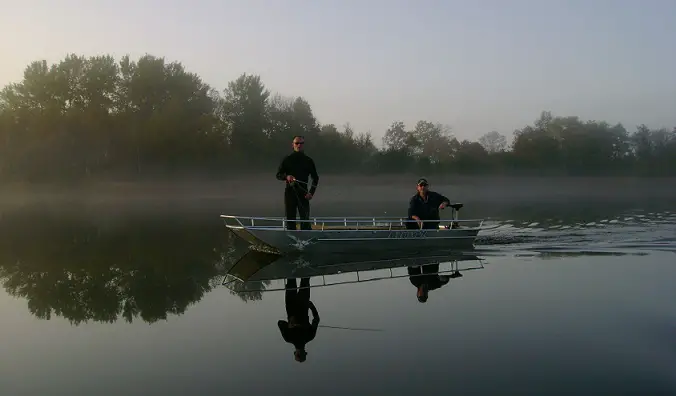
(327, 241)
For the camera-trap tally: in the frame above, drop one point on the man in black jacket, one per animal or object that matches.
(297, 329)
(424, 207)
(294, 170)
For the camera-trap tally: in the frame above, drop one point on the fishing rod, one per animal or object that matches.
(304, 190)
(349, 328)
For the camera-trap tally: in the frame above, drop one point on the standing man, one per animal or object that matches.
(424, 206)
(294, 170)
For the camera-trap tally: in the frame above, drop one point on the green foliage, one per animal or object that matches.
(101, 118)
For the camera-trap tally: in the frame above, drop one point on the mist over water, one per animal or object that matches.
(117, 290)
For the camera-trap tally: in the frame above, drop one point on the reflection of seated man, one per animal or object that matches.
(424, 207)
(428, 279)
(298, 330)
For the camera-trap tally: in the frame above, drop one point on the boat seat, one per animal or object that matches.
(456, 206)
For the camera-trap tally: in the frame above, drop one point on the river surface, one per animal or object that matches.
(559, 299)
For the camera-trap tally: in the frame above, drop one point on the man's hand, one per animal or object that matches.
(417, 219)
(290, 179)
(443, 205)
(308, 196)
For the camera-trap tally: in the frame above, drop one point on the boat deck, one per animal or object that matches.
(388, 227)
(383, 227)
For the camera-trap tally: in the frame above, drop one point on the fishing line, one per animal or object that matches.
(301, 182)
(349, 328)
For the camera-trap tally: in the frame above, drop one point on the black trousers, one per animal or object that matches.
(297, 301)
(294, 200)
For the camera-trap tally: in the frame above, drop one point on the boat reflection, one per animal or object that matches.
(258, 272)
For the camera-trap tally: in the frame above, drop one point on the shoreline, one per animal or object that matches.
(347, 189)
(382, 179)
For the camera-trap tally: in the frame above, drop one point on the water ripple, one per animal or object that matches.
(629, 232)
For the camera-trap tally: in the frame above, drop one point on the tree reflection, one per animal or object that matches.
(248, 291)
(141, 268)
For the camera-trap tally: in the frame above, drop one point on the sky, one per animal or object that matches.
(474, 65)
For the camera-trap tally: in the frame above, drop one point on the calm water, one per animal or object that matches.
(567, 299)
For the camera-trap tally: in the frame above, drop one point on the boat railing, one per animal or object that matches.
(323, 222)
(232, 281)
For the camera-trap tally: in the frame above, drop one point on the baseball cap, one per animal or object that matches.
(422, 181)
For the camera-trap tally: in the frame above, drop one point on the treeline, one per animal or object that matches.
(98, 118)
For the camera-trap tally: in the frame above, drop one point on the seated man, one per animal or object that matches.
(424, 207)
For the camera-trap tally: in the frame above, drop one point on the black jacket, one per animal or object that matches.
(305, 331)
(426, 210)
(300, 166)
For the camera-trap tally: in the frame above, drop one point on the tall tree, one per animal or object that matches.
(493, 142)
(246, 111)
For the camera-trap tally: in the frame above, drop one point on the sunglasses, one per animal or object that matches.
(299, 143)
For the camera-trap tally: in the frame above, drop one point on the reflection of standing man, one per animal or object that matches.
(298, 330)
(295, 169)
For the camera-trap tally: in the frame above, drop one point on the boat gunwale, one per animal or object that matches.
(367, 224)
(334, 219)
